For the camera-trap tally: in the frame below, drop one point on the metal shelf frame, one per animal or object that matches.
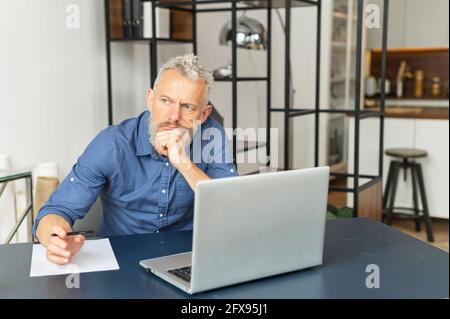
(234, 6)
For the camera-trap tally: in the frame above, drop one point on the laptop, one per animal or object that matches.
(250, 227)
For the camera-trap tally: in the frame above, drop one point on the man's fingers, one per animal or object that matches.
(173, 132)
(165, 140)
(79, 239)
(55, 250)
(61, 243)
(57, 259)
(162, 139)
(58, 230)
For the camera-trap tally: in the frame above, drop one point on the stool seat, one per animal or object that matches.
(406, 152)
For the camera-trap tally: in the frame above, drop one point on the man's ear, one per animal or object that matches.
(205, 113)
(150, 99)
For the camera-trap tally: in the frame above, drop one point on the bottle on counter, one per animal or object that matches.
(419, 76)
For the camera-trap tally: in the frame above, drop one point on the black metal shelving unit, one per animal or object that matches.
(289, 111)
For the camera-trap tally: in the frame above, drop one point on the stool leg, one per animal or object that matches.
(387, 191)
(395, 175)
(405, 168)
(416, 204)
(423, 196)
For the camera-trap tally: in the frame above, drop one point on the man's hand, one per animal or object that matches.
(62, 248)
(173, 144)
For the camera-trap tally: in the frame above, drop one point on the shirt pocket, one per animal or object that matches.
(183, 196)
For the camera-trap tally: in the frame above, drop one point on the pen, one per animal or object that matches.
(74, 233)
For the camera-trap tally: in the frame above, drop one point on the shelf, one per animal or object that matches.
(13, 174)
(151, 40)
(245, 146)
(364, 181)
(279, 109)
(241, 79)
(335, 116)
(293, 111)
(338, 48)
(225, 5)
(298, 112)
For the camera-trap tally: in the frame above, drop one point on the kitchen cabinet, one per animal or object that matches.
(430, 135)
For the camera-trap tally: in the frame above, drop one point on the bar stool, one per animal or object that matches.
(407, 161)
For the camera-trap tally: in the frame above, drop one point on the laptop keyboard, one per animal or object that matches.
(183, 273)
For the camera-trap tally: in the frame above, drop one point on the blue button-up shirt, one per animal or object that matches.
(140, 190)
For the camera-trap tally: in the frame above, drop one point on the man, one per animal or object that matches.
(143, 168)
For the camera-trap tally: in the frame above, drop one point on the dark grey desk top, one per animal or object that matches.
(408, 269)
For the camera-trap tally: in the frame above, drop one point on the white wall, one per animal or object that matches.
(53, 97)
(414, 23)
(52, 84)
(52, 81)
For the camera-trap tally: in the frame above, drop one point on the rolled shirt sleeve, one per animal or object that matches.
(79, 190)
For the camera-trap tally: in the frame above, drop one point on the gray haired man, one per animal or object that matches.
(142, 168)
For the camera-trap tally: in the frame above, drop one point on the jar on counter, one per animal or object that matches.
(436, 89)
(387, 86)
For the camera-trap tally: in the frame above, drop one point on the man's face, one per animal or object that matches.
(177, 102)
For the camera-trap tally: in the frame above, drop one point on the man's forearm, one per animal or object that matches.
(44, 229)
(192, 174)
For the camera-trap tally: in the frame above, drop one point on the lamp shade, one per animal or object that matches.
(250, 34)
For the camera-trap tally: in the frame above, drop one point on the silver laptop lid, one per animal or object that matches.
(255, 226)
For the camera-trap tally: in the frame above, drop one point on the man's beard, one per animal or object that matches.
(153, 130)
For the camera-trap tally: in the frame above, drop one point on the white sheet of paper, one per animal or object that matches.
(95, 255)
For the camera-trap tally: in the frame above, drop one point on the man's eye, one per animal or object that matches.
(165, 101)
(187, 107)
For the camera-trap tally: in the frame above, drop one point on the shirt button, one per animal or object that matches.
(161, 215)
(156, 231)
(167, 163)
(231, 170)
(72, 179)
(163, 191)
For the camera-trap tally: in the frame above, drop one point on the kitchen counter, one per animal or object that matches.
(411, 109)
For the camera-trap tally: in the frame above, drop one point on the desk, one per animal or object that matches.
(409, 268)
